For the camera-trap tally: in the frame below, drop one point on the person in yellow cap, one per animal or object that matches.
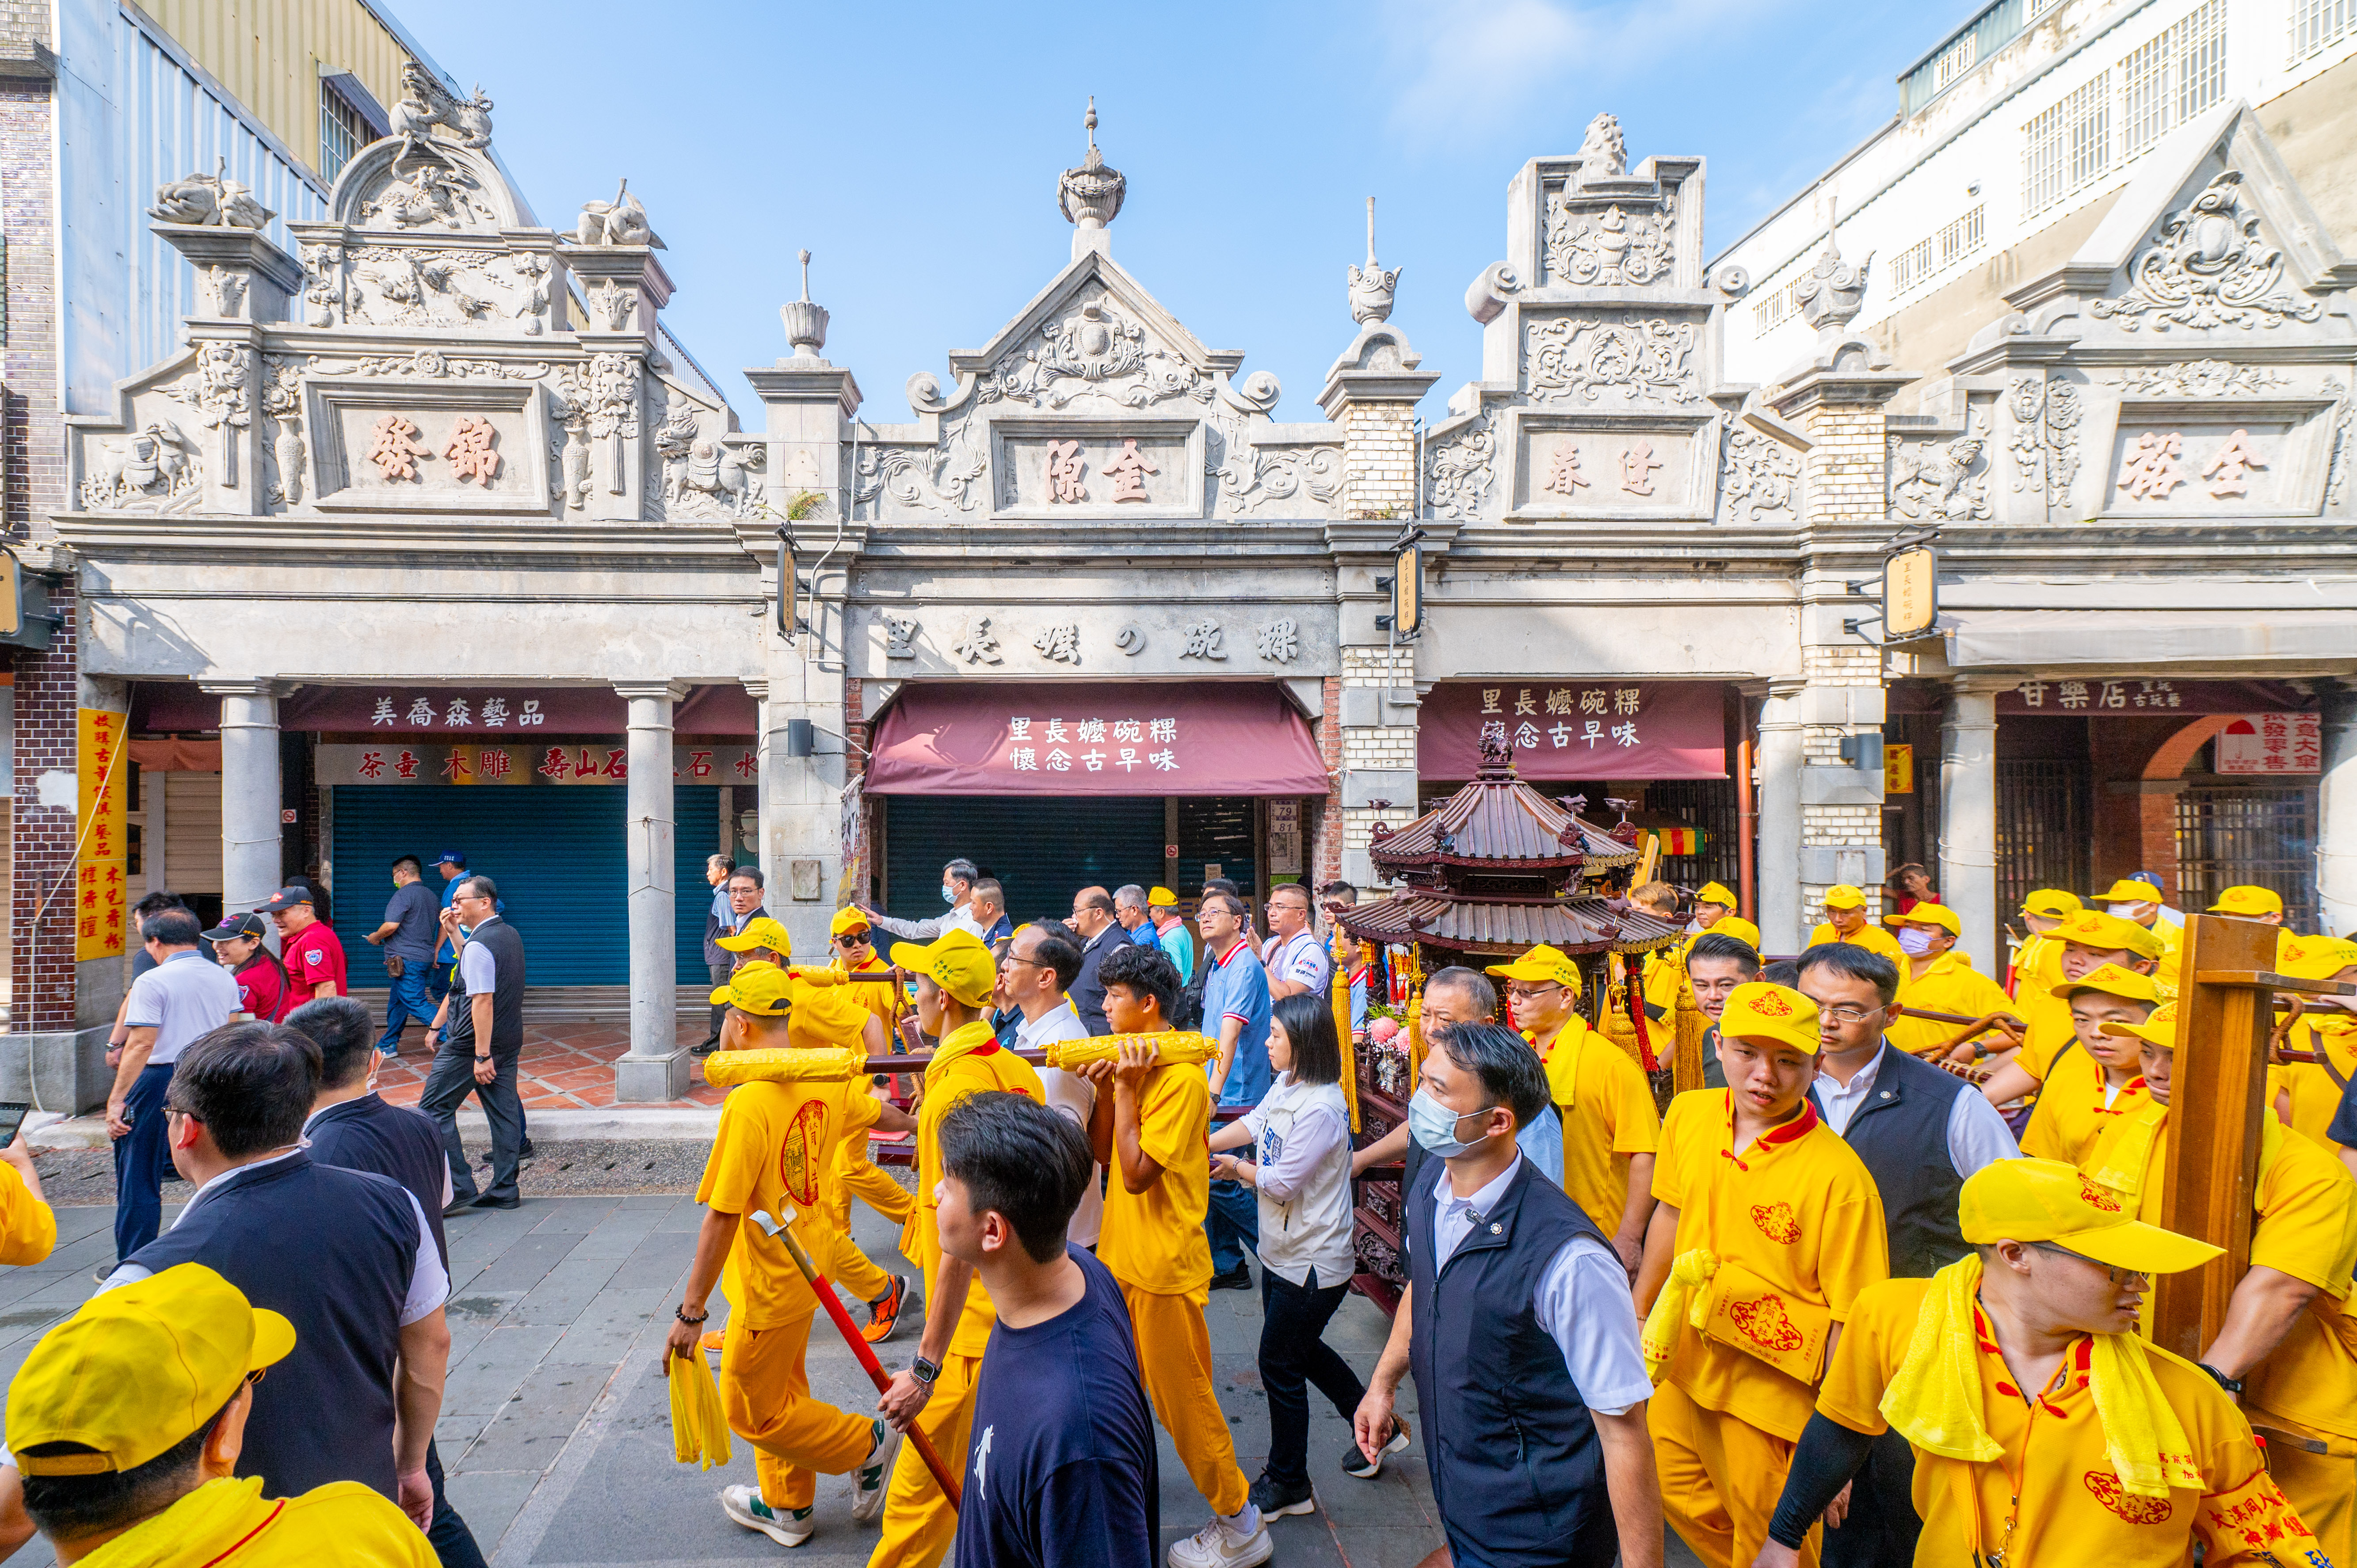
(2098, 1077)
(1713, 903)
(774, 1153)
(2306, 1095)
(1768, 1226)
(1845, 921)
(127, 1422)
(2263, 905)
(856, 1174)
(1935, 977)
(2044, 1431)
(955, 977)
(2089, 939)
(2288, 1343)
(1611, 1128)
(2139, 898)
(852, 943)
(1170, 932)
(1150, 1130)
(2037, 966)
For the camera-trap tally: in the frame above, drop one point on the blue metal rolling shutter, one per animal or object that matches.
(1044, 848)
(696, 810)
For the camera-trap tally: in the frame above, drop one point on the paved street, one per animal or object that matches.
(555, 1430)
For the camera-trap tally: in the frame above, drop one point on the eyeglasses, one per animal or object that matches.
(1847, 1016)
(1526, 993)
(1013, 958)
(2118, 1276)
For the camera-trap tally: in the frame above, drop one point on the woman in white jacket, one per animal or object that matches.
(1298, 1160)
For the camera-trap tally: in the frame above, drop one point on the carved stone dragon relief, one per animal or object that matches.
(1759, 477)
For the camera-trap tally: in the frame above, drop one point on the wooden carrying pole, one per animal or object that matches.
(2225, 1012)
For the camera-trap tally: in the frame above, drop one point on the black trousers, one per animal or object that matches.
(1293, 1353)
(451, 1080)
(1881, 1525)
(720, 973)
(453, 1543)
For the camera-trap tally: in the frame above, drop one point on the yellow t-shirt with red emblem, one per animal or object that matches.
(1948, 985)
(1798, 1209)
(1607, 1107)
(969, 1061)
(775, 1150)
(879, 996)
(2314, 1095)
(1153, 1239)
(2075, 1108)
(2073, 1510)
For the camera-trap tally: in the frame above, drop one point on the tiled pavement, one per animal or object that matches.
(555, 1425)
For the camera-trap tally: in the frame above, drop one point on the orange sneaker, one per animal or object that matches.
(713, 1340)
(884, 1312)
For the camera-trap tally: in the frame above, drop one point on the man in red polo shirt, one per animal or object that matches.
(307, 946)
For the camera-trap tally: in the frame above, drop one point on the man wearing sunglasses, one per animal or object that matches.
(2044, 1429)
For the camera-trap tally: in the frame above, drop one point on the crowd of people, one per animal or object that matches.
(1878, 1293)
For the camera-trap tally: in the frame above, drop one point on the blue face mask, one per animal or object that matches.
(1914, 940)
(1434, 1127)
(949, 895)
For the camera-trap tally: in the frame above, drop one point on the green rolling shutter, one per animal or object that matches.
(1043, 848)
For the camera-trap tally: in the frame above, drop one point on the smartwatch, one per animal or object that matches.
(2232, 1385)
(925, 1371)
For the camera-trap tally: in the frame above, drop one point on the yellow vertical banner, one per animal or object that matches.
(99, 906)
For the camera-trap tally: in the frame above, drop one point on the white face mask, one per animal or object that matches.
(2124, 911)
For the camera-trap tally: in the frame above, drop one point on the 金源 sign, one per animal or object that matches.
(2271, 742)
(566, 762)
(1575, 728)
(99, 907)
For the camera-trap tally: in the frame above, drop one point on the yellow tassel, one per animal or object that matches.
(1170, 1049)
(699, 1432)
(1341, 999)
(785, 1065)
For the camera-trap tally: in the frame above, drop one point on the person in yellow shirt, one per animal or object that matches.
(1661, 974)
(28, 1227)
(954, 979)
(127, 1421)
(2306, 1095)
(2037, 966)
(1845, 921)
(773, 1153)
(2288, 1345)
(2139, 898)
(1713, 903)
(1151, 1131)
(1768, 1227)
(856, 1174)
(2045, 1431)
(853, 943)
(2099, 1078)
(1935, 977)
(2089, 939)
(1611, 1128)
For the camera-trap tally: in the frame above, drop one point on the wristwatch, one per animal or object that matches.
(2232, 1385)
(925, 1371)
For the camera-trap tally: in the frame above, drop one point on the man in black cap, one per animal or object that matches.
(306, 946)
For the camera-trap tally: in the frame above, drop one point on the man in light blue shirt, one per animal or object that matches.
(1235, 1012)
(1170, 932)
(184, 998)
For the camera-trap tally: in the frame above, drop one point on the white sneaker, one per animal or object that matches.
(871, 1480)
(789, 1527)
(1217, 1545)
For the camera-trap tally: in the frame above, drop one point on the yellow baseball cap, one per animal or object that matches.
(1540, 965)
(2248, 901)
(2046, 1200)
(1161, 898)
(1841, 896)
(1714, 893)
(2158, 1029)
(958, 963)
(2108, 933)
(1736, 926)
(1926, 913)
(138, 1369)
(848, 919)
(1756, 1008)
(2053, 903)
(758, 987)
(2130, 890)
(2111, 980)
(764, 933)
(2316, 958)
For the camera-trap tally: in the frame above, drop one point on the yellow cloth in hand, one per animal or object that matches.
(1935, 1399)
(1682, 1301)
(788, 1064)
(1170, 1049)
(699, 1433)
(2122, 1167)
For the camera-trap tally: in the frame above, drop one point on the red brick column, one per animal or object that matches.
(41, 964)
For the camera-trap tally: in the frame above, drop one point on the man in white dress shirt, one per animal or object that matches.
(1041, 963)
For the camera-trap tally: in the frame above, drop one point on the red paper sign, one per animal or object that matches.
(1575, 728)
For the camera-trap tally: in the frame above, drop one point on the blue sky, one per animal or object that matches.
(915, 149)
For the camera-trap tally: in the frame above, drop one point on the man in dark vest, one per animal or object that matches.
(353, 1128)
(1920, 1132)
(346, 1256)
(1518, 1325)
(481, 1046)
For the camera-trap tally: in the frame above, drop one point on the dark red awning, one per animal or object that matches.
(1575, 727)
(1054, 737)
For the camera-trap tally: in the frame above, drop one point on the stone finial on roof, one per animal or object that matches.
(1371, 285)
(1830, 294)
(805, 322)
(1090, 195)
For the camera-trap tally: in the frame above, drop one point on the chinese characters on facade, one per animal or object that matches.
(2153, 468)
(1091, 746)
(1590, 716)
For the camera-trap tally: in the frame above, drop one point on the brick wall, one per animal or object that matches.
(1325, 857)
(1846, 466)
(30, 427)
(1379, 459)
(41, 964)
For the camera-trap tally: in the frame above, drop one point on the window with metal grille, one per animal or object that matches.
(2258, 837)
(1710, 804)
(2173, 78)
(1932, 256)
(342, 131)
(1954, 61)
(2041, 828)
(1774, 310)
(2067, 145)
(2317, 23)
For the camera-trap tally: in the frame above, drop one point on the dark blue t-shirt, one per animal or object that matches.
(1060, 1467)
(412, 909)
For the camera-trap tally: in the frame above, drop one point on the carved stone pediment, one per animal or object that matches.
(432, 188)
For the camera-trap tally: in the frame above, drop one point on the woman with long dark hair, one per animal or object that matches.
(238, 947)
(1299, 1162)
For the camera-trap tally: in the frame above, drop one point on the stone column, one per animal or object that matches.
(1968, 821)
(1778, 845)
(251, 859)
(2335, 829)
(656, 1066)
